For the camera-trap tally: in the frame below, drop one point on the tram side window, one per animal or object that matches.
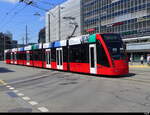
(28, 57)
(65, 55)
(75, 53)
(85, 53)
(43, 56)
(79, 53)
(23, 55)
(7, 55)
(53, 54)
(31, 56)
(101, 56)
(40, 55)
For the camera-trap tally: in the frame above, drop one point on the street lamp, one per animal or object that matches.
(4, 47)
(59, 15)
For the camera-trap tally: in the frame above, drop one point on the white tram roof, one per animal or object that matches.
(47, 45)
(26, 48)
(55, 44)
(8, 50)
(81, 39)
(14, 49)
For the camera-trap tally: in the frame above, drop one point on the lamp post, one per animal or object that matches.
(59, 16)
(4, 47)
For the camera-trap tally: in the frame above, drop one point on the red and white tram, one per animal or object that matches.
(101, 54)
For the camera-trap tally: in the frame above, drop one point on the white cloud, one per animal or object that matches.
(10, 1)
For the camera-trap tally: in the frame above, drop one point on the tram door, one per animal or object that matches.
(59, 58)
(15, 57)
(28, 57)
(92, 58)
(48, 58)
(12, 57)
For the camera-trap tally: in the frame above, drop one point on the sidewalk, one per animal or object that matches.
(138, 65)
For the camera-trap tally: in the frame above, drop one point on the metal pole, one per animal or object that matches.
(49, 27)
(26, 35)
(4, 48)
(59, 31)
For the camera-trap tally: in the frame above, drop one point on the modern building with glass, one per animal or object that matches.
(130, 18)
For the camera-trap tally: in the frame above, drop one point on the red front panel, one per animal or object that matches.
(120, 68)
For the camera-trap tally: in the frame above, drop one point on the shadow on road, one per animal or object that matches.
(121, 76)
(5, 70)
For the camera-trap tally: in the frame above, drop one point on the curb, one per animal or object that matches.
(139, 66)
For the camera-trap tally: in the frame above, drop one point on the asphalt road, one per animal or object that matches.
(28, 89)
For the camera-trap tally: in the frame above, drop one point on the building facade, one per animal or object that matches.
(61, 20)
(5, 43)
(14, 44)
(130, 18)
(42, 36)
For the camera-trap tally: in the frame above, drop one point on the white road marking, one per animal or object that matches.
(12, 88)
(20, 94)
(26, 98)
(33, 102)
(43, 109)
(15, 91)
(8, 86)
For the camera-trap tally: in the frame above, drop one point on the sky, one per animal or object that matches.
(14, 17)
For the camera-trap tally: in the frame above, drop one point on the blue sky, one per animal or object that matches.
(14, 17)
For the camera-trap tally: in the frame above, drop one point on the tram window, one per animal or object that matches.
(65, 55)
(31, 56)
(43, 55)
(79, 53)
(75, 53)
(57, 57)
(7, 55)
(92, 57)
(53, 54)
(85, 53)
(35, 55)
(101, 56)
(23, 56)
(61, 57)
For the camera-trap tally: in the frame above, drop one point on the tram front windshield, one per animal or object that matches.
(115, 45)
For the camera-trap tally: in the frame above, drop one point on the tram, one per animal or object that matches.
(100, 54)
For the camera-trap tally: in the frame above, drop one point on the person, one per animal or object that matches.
(148, 59)
(131, 60)
(142, 59)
